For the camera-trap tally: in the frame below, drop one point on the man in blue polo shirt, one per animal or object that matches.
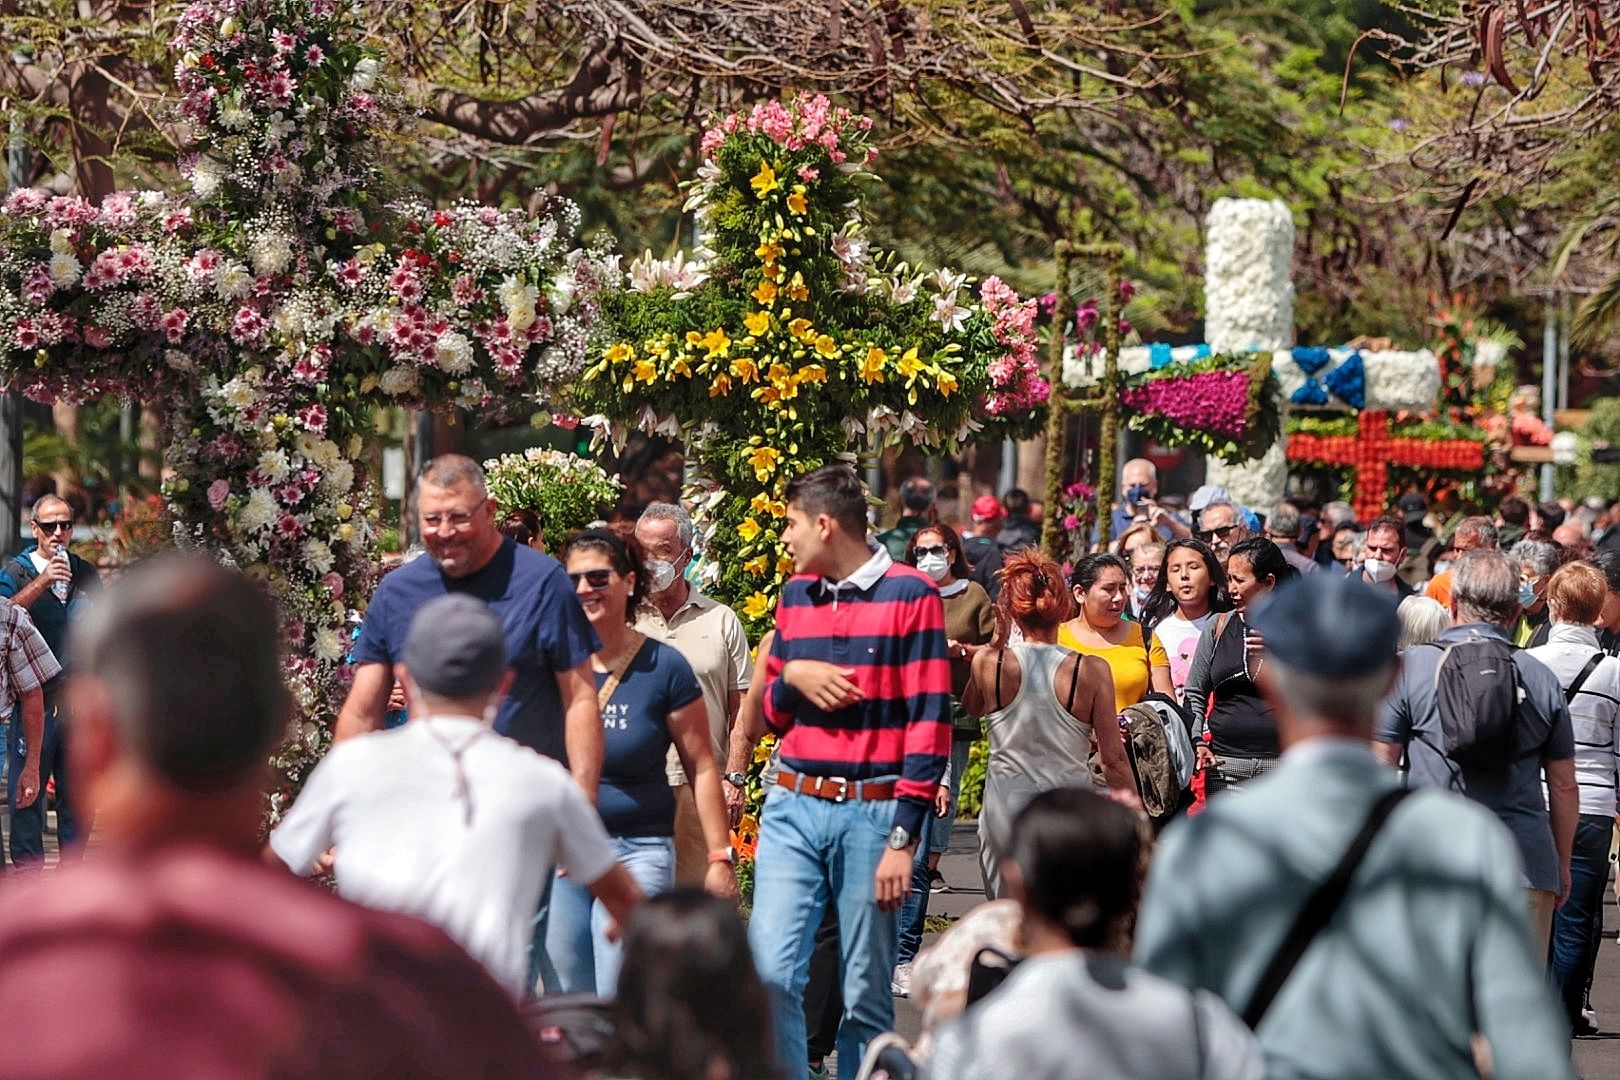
(551, 706)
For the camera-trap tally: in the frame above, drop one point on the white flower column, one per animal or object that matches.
(1249, 305)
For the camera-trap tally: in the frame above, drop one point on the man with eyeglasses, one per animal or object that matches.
(52, 584)
(1221, 526)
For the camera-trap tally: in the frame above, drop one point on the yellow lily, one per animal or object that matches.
(763, 459)
(765, 181)
(766, 293)
(758, 322)
(757, 606)
(618, 354)
(872, 366)
(748, 530)
(796, 203)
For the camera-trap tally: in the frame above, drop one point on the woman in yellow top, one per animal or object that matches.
(1102, 586)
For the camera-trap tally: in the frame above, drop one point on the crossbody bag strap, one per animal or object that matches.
(605, 693)
(1318, 910)
(1586, 673)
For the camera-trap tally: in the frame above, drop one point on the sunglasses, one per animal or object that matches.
(596, 579)
(54, 526)
(933, 549)
(1215, 534)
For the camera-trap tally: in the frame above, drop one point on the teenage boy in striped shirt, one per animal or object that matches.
(858, 688)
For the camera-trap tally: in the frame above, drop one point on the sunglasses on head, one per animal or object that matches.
(932, 549)
(54, 526)
(1220, 533)
(596, 579)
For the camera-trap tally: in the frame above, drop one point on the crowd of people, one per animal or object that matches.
(1389, 860)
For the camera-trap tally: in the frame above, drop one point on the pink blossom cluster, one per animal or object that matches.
(1016, 383)
(799, 122)
(1213, 401)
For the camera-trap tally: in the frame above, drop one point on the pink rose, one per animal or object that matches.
(218, 492)
(334, 583)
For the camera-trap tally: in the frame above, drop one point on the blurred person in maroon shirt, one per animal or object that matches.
(173, 951)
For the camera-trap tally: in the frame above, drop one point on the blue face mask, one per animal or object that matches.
(1527, 594)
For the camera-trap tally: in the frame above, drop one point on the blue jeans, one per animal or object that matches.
(939, 829)
(915, 912)
(28, 823)
(1577, 927)
(579, 957)
(812, 853)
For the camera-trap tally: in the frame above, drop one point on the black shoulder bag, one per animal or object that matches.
(1318, 910)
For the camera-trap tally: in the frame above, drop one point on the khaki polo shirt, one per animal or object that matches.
(711, 638)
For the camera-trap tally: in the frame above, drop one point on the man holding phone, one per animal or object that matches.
(1139, 480)
(52, 583)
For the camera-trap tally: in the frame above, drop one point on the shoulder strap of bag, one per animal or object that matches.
(1318, 910)
(605, 693)
(1074, 683)
(1586, 673)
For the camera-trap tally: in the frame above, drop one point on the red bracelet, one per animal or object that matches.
(724, 855)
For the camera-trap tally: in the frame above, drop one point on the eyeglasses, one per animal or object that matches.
(458, 521)
(1147, 572)
(932, 549)
(54, 526)
(1220, 533)
(596, 579)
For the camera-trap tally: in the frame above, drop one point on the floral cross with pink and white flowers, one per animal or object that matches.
(269, 307)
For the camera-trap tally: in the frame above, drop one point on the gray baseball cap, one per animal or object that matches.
(456, 647)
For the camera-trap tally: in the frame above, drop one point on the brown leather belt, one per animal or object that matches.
(836, 788)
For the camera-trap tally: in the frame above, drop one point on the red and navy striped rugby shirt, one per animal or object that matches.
(886, 621)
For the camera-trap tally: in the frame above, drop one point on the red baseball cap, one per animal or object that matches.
(988, 508)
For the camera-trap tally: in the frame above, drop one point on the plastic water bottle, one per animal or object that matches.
(62, 588)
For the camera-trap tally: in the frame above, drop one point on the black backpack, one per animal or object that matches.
(1477, 694)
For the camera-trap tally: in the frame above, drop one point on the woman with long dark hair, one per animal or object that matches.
(1241, 726)
(1101, 588)
(1191, 590)
(690, 1005)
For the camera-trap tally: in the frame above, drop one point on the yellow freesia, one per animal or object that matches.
(826, 346)
(618, 354)
(947, 383)
(763, 459)
(758, 322)
(748, 530)
(757, 606)
(872, 366)
(909, 366)
(800, 329)
(765, 181)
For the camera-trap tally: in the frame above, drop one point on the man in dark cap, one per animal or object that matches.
(174, 951)
(1422, 546)
(1423, 963)
(443, 818)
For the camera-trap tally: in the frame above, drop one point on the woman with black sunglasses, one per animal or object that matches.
(649, 700)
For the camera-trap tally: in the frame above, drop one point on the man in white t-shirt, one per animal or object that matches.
(443, 818)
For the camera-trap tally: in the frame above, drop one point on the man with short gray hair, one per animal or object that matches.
(1221, 525)
(1485, 602)
(1282, 529)
(711, 638)
(176, 951)
(1423, 954)
(1471, 534)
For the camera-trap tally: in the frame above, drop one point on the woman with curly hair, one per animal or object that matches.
(1042, 704)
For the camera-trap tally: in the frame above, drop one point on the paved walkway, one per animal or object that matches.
(1596, 1057)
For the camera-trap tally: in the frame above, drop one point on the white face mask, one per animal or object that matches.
(1378, 571)
(935, 566)
(660, 575)
(1441, 566)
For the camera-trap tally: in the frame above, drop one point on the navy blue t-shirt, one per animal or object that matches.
(546, 632)
(635, 798)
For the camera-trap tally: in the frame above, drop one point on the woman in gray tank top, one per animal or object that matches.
(1042, 706)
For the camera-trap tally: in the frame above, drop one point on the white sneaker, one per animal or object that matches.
(900, 982)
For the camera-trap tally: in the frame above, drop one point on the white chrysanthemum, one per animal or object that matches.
(270, 253)
(519, 299)
(65, 269)
(1248, 280)
(206, 176)
(454, 353)
(239, 393)
(61, 242)
(274, 465)
(259, 512)
(338, 479)
(397, 381)
(288, 321)
(179, 361)
(317, 556)
(234, 281)
(328, 645)
(233, 117)
(365, 74)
